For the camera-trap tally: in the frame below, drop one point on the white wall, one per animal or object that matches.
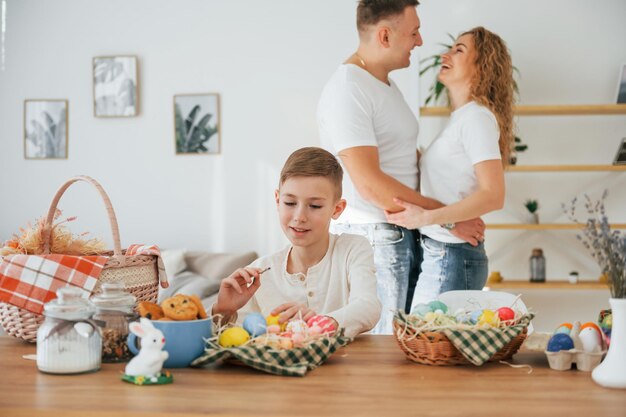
(269, 61)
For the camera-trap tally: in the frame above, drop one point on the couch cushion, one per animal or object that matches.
(217, 265)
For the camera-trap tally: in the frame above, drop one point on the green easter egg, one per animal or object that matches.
(420, 310)
(438, 305)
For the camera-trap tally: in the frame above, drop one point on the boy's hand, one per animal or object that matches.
(289, 311)
(236, 291)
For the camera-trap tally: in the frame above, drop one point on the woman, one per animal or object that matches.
(463, 167)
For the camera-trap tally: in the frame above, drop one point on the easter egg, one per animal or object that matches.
(438, 305)
(591, 339)
(489, 317)
(327, 324)
(270, 320)
(315, 331)
(564, 328)
(273, 329)
(298, 339)
(592, 325)
(297, 326)
(560, 341)
(285, 343)
(607, 321)
(235, 336)
(255, 324)
(506, 314)
(475, 316)
(420, 309)
(430, 316)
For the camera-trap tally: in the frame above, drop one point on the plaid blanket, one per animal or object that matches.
(480, 344)
(289, 362)
(30, 281)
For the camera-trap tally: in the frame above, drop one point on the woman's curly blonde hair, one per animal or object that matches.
(493, 84)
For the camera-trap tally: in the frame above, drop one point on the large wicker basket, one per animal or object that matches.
(434, 348)
(139, 273)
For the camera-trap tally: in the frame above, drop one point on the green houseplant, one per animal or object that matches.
(532, 206)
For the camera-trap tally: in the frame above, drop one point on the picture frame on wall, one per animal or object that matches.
(115, 86)
(197, 127)
(620, 155)
(45, 129)
(621, 86)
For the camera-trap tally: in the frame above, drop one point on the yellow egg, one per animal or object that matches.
(274, 320)
(488, 317)
(235, 336)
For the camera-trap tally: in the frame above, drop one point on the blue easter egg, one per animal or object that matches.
(255, 324)
(421, 309)
(560, 341)
(438, 305)
(475, 316)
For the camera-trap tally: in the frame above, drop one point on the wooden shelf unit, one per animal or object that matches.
(565, 168)
(545, 110)
(545, 226)
(548, 285)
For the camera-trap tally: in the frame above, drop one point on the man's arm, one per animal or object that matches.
(363, 166)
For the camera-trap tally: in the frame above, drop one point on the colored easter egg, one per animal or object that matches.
(475, 316)
(274, 320)
(560, 341)
(607, 321)
(297, 326)
(327, 324)
(235, 336)
(489, 317)
(506, 314)
(438, 305)
(315, 331)
(592, 325)
(255, 324)
(565, 328)
(298, 339)
(591, 339)
(273, 329)
(420, 309)
(286, 343)
(430, 316)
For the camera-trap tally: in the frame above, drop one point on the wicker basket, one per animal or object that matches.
(139, 273)
(434, 348)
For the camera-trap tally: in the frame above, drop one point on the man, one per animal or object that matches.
(364, 120)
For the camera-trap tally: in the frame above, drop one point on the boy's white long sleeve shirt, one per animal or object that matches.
(342, 285)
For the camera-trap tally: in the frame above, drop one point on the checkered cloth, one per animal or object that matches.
(289, 362)
(30, 281)
(479, 345)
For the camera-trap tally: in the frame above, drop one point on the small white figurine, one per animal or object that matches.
(149, 361)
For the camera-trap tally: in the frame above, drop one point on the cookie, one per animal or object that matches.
(150, 310)
(180, 307)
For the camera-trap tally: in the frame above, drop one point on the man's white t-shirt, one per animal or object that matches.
(357, 109)
(447, 165)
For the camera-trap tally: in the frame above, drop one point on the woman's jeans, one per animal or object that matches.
(397, 258)
(448, 267)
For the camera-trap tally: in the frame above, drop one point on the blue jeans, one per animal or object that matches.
(448, 267)
(397, 257)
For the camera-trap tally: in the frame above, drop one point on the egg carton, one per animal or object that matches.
(585, 361)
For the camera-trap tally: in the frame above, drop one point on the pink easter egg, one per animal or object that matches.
(297, 326)
(315, 331)
(273, 329)
(327, 324)
(298, 339)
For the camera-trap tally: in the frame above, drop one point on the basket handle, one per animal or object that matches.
(47, 235)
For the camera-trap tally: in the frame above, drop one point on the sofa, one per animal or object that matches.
(200, 273)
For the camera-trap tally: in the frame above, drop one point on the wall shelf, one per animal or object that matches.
(545, 110)
(545, 226)
(564, 168)
(548, 285)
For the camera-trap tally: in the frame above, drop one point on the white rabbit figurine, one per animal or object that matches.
(149, 360)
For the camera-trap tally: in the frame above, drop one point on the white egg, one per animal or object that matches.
(590, 339)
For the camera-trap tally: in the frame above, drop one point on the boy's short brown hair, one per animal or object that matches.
(313, 162)
(370, 12)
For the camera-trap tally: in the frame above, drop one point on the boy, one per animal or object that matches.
(319, 273)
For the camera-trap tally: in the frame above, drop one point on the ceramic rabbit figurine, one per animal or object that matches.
(149, 361)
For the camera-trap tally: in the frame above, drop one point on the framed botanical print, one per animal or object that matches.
(115, 89)
(197, 128)
(45, 129)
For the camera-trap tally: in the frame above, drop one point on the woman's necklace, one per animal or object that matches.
(360, 59)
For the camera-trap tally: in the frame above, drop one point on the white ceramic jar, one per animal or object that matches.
(67, 340)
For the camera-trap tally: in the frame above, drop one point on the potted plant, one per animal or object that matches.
(608, 248)
(532, 206)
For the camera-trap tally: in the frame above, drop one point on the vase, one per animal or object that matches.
(532, 218)
(611, 373)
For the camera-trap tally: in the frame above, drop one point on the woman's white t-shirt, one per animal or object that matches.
(447, 165)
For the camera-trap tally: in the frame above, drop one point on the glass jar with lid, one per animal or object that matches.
(68, 341)
(114, 308)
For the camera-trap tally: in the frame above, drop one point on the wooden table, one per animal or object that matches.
(369, 377)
